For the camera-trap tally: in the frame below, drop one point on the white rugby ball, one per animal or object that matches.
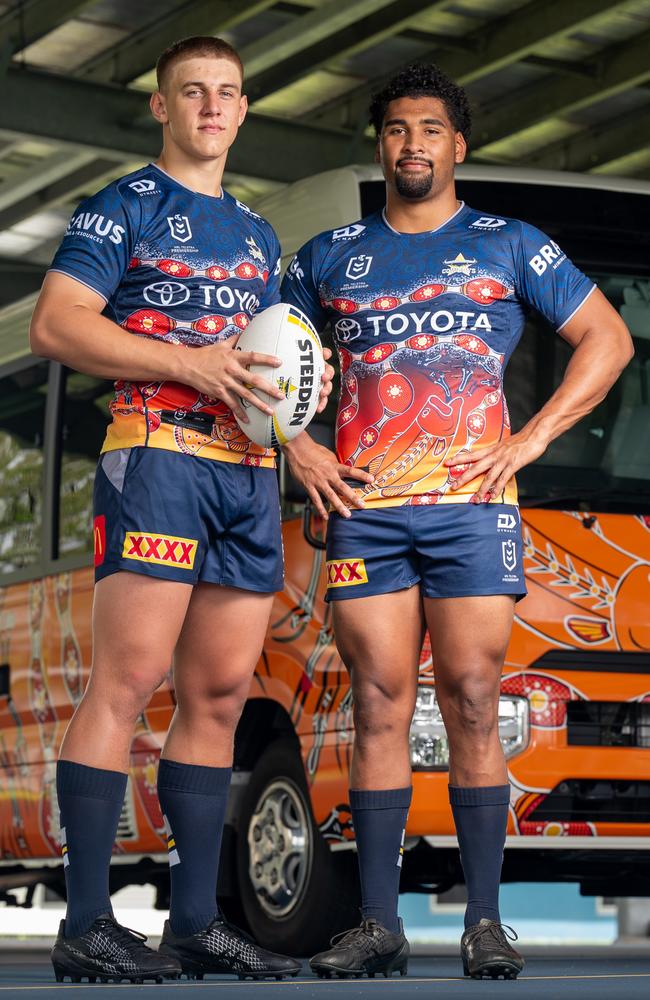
(286, 332)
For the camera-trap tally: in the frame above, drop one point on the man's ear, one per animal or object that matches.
(243, 108)
(377, 157)
(461, 148)
(159, 107)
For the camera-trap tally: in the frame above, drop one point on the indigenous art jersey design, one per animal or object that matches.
(424, 325)
(184, 268)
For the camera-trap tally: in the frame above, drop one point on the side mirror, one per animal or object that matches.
(310, 518)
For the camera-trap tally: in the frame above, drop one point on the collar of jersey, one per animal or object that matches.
(198, 194)
(428, 232)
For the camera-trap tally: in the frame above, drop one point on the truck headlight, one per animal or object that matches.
(428, 742)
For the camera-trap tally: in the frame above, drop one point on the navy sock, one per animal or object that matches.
(90, 802)
(481, 817)
(379, 819)
(193, 800)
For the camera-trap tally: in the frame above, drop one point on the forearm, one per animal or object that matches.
(91, 343)
(590, 374)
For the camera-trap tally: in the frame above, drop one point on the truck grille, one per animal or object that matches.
(594, 801)
(608, 723)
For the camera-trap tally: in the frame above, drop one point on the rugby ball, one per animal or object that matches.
(286, 332)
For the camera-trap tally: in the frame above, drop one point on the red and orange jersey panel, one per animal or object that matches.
(425, 324)
(181, 267)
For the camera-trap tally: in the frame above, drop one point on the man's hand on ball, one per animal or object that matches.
(326, 379)
(321, 474)
(222, 373)
(497, 464)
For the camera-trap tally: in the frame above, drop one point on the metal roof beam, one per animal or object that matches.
(80, 171)
(137, 54)
(114, 122)
(32, 19)
(596, 145)
(621, 67)
(495, 45)
(332, 31)
(18, 278)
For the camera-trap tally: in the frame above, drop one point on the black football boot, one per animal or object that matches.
(365, 950)
(487, 953)
(223, 948)
(109, 952)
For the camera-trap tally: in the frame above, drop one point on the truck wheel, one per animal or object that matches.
(296, 894)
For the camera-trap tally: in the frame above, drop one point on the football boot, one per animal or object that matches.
(487, 953)
(109, 952)
(365, 950)
(223, 948)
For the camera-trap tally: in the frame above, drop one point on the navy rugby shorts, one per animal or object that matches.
(187, 519)
(451, 550)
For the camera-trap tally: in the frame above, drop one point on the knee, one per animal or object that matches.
(379, 712)
(125, 692)
(214, 705)
(471, 707)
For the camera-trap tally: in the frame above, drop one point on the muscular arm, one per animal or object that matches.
(67, 326)
(602, 348)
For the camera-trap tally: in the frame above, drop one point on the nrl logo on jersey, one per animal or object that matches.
(348, 232)
(358, 267)
(488, 222)
(180, 228)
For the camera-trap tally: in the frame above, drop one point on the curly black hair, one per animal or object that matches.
(423, 80)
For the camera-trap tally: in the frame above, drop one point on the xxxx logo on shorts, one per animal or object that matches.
(346, 572)
(165, 550)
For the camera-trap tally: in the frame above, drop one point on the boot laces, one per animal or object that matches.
(361, 936)
(497, 931)
(130, 939)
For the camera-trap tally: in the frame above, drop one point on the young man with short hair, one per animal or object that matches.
(155, 279)
(433, 306)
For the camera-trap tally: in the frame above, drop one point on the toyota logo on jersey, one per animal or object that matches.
(166, 293)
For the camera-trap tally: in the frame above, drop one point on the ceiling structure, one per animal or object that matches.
(561, 84)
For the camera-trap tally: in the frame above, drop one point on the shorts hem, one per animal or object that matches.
(342, 594)
(101, 572)
(487, 592)
(252, 588)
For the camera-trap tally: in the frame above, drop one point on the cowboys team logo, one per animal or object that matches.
(179, 226)
(358, 267)
(459, 265)
(509, 554)
(255, 251)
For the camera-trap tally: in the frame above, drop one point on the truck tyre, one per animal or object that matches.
(295, 893)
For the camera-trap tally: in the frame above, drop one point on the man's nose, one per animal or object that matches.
(412, 144)
(211, 105)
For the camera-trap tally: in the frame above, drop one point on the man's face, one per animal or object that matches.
(419, 147)
(202, 106)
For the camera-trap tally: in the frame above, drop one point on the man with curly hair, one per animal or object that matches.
(426, 299)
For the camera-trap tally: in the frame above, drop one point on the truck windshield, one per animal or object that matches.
(603, 462)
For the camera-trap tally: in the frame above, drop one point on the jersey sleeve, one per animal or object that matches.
(547, 279)
(271, 294)
(300, 286)
(97, 246)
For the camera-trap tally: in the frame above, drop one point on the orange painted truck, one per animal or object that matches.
(575, 706)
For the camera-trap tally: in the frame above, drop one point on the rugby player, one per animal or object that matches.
(155, 279)
(426, 301)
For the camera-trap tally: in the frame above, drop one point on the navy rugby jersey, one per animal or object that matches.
(178, 266)
(424, 325)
